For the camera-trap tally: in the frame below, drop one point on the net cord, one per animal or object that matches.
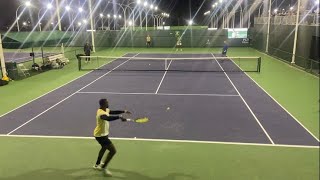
(155, 58)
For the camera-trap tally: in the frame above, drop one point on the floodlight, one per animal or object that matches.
(28, 3)
(49, 6)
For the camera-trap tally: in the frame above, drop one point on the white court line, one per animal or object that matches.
(279, 104)
(160, 94)
(220, 95)
(115, 93)
(68, 97)
(164, 140)
(53, 90)
(163, 77)
(175, 52)
(255, 117)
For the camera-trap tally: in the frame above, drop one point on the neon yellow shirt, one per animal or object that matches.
(102, 127)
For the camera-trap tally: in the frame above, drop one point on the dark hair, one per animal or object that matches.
(102, 102)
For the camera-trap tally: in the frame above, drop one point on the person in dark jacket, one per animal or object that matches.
(87, 51)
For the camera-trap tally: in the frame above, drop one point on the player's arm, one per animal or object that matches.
(119, 112)
(112, 118)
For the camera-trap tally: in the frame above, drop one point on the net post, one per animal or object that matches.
(79, 63)
(42, 54)
(33, 60)
(165, 64)
(97, 59)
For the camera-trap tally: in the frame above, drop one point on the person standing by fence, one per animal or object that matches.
(148, 41)
(87, 51)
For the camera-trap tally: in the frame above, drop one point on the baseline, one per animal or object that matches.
(165, 140)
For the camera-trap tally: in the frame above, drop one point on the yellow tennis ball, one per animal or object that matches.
(168, 108)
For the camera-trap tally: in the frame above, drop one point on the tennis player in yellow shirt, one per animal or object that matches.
(148, 41)
(101, 133)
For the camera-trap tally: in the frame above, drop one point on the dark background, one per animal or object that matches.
(180, 10)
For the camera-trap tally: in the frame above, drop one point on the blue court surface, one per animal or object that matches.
(20, 57)
(193, 106)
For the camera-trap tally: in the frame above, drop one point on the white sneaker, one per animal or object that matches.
(107, 172)
(97, 167)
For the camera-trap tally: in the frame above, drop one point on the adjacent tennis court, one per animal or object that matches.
(20, 57)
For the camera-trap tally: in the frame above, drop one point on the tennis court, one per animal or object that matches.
(207, 132)
(230, 89)
(226, 107)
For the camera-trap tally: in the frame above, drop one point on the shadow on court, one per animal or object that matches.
(87, 173)
(53, 174)
(132, 175)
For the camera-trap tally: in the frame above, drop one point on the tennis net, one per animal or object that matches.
(184, 64)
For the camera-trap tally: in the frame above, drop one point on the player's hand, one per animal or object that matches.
(122, 118)
(127, 112)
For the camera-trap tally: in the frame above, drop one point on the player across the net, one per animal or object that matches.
(182, 64)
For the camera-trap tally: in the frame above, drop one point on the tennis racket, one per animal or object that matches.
(139, 120)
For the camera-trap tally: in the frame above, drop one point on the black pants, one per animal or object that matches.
(103, 141)
(87, 54)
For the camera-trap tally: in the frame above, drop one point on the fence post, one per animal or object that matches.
(296, 35)
(268, 33)
(2, 62)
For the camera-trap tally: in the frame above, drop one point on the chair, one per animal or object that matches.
(23, 69)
